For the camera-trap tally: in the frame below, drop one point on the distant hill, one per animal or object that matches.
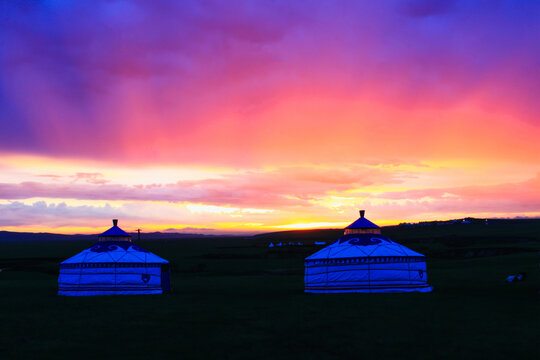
(519, 229)
(28, 236)
(465, 229)
(304, 236)
(425, 231)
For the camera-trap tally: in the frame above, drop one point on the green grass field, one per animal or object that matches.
(234, 298)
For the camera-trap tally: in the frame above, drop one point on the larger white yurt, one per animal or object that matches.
(365, 261)
(114, 266)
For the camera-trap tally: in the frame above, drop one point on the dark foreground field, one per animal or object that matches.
(234, 298)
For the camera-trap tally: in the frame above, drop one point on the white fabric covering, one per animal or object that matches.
(365, 263)
(113, 268)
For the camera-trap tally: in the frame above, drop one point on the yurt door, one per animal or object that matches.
(165, 278)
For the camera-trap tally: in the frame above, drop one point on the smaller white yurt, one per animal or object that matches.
(114, 266)
(364, 261)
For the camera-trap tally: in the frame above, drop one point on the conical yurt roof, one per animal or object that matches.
(115, 246)
(362, 223)
(114, 230)
(114, 234)
(115, 252)
(363, 238)
(362, 245)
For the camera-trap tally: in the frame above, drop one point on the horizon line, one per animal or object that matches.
(210, 232)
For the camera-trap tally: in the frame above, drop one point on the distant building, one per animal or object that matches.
(365, 261)
(114, 266)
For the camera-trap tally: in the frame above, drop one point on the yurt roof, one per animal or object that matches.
(115, 252)
(361, 245)
(362, 223)
(115, 231)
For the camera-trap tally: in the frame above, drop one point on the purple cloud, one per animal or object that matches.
(144, 80)
(41, 213)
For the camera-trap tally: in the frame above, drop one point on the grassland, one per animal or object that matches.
(235, 298)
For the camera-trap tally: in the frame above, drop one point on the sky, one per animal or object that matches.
(249, 116)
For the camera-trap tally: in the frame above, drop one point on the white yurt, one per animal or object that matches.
(365, 261)
(114, 266)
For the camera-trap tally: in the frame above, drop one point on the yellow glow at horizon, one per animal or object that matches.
(313, 225)
(239, 225)
(226, 227)
(435, 175)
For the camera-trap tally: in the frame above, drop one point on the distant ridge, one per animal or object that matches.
(495, 226)
(468, 220)
(29, 236)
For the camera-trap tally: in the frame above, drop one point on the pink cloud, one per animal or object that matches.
(41, 213)
(91, 178)
(282, 187)
(509, 198)
(528, 190)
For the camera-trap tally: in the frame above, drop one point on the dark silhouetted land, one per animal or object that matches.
(235, 298)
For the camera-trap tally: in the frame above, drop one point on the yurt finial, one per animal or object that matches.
(362, 226)
(114, 234)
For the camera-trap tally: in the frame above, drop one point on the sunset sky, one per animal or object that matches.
(248, 116)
